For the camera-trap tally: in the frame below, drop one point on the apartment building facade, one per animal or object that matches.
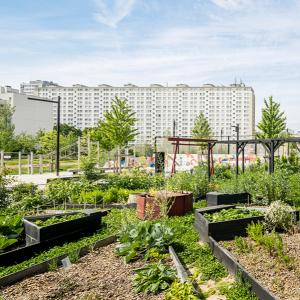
(29, 116)
(159, 107)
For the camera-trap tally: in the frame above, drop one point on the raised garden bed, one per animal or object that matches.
(148, 207)
(44, 266)
(216, 198)
(87, 223)
(235, 268)
(221, 230)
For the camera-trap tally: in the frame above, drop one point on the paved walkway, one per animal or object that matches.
(38, 179)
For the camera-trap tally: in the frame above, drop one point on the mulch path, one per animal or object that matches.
(99, 275)
(282, 281)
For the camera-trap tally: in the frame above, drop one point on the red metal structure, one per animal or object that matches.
(183, 141)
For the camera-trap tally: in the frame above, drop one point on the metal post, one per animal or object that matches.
(79, 150)
(57, 136)
(208, 162)
(228, 146)
(20, 163)
(40, 164)
(28, 163)
(243, 160)
(31, 163)
(271, 158)
(174, 128)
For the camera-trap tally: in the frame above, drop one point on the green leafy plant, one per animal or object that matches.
(11, 225)
(181, 291)
(57, 219)
(6, 242)
(242, 245)
(153, 278)
(143, 236)
(231, 214)
(256, 231)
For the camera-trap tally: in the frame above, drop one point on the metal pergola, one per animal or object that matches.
(271, 145)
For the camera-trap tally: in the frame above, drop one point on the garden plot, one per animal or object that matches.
(99, 275)
(224, 221)
(276, 269)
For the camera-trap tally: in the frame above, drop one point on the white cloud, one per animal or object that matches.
(112, 12)
(231, 4)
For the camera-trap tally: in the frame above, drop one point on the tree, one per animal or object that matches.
(6, 127)
(47, 141)
(66, 129)
(201, 129)
(25, 142)
(117, 128)
(273, 121)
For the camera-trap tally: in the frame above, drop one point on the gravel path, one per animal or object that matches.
(99, 275)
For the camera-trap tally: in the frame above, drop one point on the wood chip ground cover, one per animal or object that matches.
(284, 282)
(99, 275)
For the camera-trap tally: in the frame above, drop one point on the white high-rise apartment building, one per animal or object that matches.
(157, 107)
(31, 87)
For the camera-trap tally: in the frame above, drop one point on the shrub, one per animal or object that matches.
(23, 189)
(279, 216)
(89, 169)
(60, 191)
(135, 180)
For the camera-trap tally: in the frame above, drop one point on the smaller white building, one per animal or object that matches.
(31, 87)
(29, 116)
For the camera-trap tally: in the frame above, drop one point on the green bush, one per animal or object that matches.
(60, 191)
(135, 180)
(23, 189)
(196, 182)
(279, 216)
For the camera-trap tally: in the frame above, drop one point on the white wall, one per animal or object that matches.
(29, 116)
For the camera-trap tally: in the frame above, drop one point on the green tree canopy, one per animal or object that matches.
(66, 129)
(6, 127)
(201, 129)
(117, 128)
(273, 121)
(25, 142)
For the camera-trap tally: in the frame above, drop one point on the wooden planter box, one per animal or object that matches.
(215, 198)
(225, 230)
(89, 223)
(147, 206)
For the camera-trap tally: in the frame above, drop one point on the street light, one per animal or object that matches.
(57, 125)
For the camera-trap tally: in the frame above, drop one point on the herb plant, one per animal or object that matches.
(153, 278)
(181, 291)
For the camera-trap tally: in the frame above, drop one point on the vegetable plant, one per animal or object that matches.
(153, 278)
(231, 214)
(181, 291)
(6, 242)
(57, 219)
(143, 236)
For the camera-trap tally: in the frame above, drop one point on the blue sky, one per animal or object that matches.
(156, 41)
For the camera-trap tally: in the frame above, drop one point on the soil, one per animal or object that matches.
(283, 281)
(100, 275)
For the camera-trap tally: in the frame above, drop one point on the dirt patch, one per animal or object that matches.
(282, 281)
(99, 275)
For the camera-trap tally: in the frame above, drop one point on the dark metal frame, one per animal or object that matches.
(57, 125)
(271, 145)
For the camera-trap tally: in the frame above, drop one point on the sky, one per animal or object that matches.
(156, 41)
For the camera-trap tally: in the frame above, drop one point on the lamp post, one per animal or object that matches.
(57, 125)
